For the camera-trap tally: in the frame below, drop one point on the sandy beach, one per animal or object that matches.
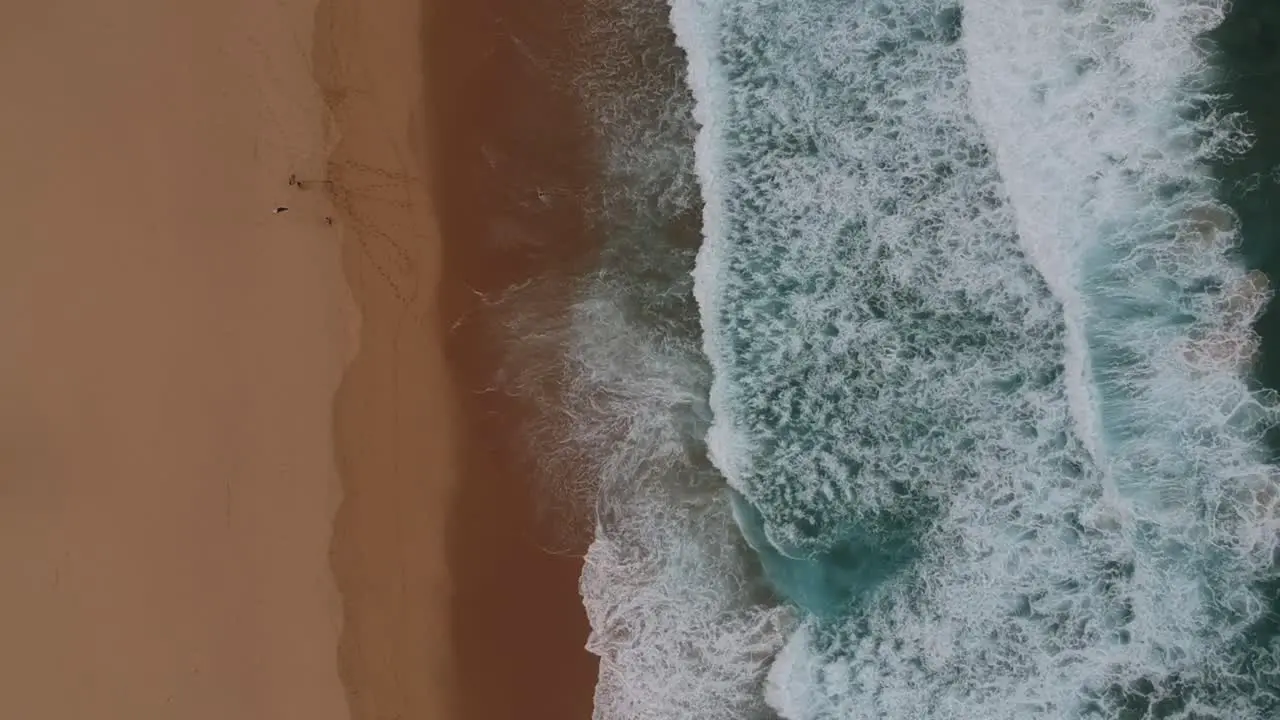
(225, 434)
(393, 423)
(236, 480)
(171, 348)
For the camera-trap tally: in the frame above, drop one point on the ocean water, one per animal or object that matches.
(917, 376)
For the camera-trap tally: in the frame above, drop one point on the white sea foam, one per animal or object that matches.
(1086, 106)
(681, 620)
(1092, 513)
(696, 26)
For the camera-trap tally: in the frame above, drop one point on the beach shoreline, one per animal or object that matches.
(242, 468)
(393, 428)
(512, 162)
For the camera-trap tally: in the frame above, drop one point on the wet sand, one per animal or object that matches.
(393, 415)
(506, 128)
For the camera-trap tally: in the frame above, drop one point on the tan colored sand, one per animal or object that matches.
(169, 353)
(393, 413)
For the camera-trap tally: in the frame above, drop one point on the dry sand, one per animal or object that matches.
(169, 356)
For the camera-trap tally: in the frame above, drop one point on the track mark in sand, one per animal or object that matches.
(380, 206)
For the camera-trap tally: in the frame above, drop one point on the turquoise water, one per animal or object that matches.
(916, 378)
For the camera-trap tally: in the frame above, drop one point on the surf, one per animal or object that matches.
(979, 344)
(915, 376)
